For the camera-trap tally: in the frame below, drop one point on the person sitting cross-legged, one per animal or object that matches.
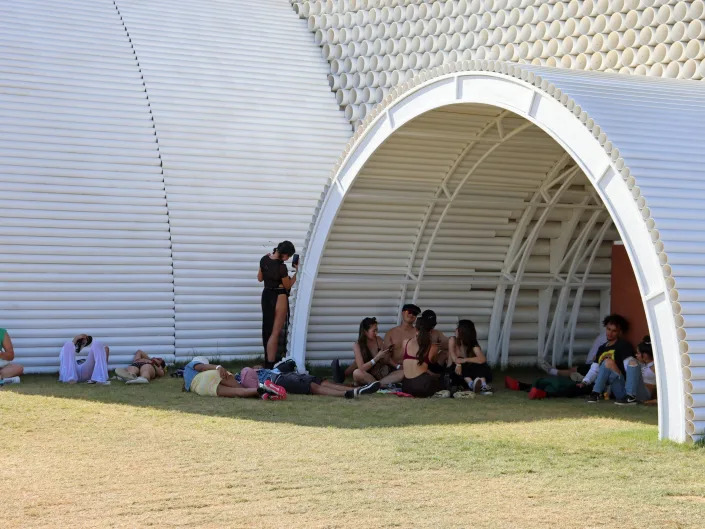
(374, 361)
(209, 380)
(142, 369)
(94, 370)
(10, 371)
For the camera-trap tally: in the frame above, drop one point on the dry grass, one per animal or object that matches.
(127, 456)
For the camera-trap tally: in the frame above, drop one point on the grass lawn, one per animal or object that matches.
(138, 456)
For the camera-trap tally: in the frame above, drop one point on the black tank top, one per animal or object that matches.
(272, 271)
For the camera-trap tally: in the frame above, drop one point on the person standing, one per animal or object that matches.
(275, 297)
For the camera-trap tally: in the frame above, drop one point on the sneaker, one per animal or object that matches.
(11, 380)
(123, 374)
(544, 366)
(463, 395)
(272, 396)
(273, 389)
(137, 380)
(394, 387)
(350, 394)
(537, 394)
(442, 394)
(594, 398)
(629, 400)
(286, 365)
(338, 373)
(511, 383)
(476, 385)
(486, 389)
(373, 387)
(576, 377)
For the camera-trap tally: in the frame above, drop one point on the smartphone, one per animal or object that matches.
(295, 260)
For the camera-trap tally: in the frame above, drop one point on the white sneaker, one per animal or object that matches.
(545, 366)
(106, 383)
(576, 377)
(11, 380)
(138, 380)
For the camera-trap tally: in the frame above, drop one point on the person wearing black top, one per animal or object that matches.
(613, 357)
(275, 297)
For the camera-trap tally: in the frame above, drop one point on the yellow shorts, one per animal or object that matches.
(206, 383)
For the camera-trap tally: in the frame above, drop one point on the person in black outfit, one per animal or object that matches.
(275, 297)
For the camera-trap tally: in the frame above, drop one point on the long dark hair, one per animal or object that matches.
(285, 248)
(467, 336)
(645, 347)
(424, 325)
(365, 326)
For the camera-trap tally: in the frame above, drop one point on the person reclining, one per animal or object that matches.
(94, 370)
(142, 369)
(577, 373)
(10, 371)
(302, 384)
(206, 379)
(470, 363)
(550, 386)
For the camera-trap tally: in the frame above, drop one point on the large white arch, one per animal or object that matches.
(550, 99)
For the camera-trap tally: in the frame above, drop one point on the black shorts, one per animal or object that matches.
(424, 385)
(297, 383)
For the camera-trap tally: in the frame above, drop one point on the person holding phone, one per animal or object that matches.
(373, 359)
(275, 297)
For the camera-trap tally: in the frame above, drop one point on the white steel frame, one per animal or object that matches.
(539, 107)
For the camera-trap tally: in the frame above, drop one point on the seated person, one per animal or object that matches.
(442, 362)
(470, 362)
(640, 383)
(10, 371)
(210, 380)
(302, 384)
(142, 369)
(550, 386)
(94, 370)
(394, 339)
(613, 358)
(373, 360)
(419, 353)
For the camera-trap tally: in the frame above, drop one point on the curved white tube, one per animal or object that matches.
(524, 50)
(527, 33)
(582, 61)
(696, 9)
(673, 70)
(342, 97)
(656, 70)
(676, 52)
(665, 14)
(597, 61)
(694, 50)
(690, 69)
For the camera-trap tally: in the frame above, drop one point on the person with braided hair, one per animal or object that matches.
(419, 353)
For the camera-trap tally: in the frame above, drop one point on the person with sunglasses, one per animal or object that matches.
(142, 369)
(92, 370)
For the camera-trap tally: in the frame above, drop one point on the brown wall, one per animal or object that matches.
(625, 298)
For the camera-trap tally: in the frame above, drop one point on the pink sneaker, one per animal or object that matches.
(271, 396)
(273, 389)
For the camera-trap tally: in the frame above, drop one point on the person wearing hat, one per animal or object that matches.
(396, 336)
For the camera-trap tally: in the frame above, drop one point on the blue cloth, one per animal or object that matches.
(607, 377)
(190, 373)
(635, 384)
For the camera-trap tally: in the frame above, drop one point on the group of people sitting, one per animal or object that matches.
(613, 368)
(418, 358)
(414, 358)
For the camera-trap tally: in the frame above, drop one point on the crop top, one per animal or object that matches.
(407, 356)
(273, 270)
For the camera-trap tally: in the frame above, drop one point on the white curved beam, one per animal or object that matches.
(525, 93)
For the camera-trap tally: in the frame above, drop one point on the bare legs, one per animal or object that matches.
(11, 370)
(363, 377)
(279, 321)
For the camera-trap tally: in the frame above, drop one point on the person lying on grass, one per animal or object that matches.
(142, 369)
(470, 364)
(9, 371)
(302, 384)
(94, 370)
(206, 379)
(551, 386)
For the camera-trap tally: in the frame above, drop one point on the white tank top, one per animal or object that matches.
(647, 374)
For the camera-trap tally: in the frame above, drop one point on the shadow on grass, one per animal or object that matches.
(374, 411)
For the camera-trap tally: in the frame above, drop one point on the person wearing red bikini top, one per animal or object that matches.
(419, 352)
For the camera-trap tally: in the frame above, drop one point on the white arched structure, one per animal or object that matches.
(635, 140)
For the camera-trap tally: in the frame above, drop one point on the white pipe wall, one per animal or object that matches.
(625, 37)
